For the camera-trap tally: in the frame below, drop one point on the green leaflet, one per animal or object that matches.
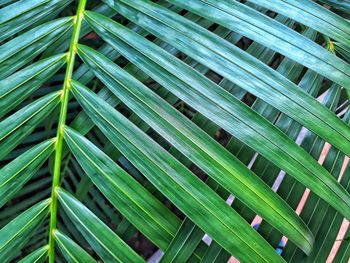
(311, 83)
(17, 87)
(19, 125)
(16, 173)
(274, 35)
(232, 115)
(323, 216)
(72, 252)
(226, 59)
(82, 122)
(22, 49)
(199, 147)
(189, 235)
(267, 171)
(23, 14)
(37, 256)
(176, 182)
(16, 234)
(18, 8)
(215, 254)
(106, 244)
(291, 190)
(338, 4)
(312, 15)
(131, 166)
(343, 253)
(255, 48)
(343, 50)
(139, 206)
(182, 246)
(324, 221)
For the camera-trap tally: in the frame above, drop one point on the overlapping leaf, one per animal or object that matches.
(198, 146)
(23, 14)
(71, 250)
(140, 207)
(34, 47)
(174, 180)
(19, 125)
(228, 60)
(103, 240)
(218, 106)
(17, 87)
(15, 234)
(15, 174)
(19, 51)
(251, 23)
(312, 15)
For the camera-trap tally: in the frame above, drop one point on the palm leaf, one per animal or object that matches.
(126, 141)
(36, 256)
(16, 233)
(70, 250)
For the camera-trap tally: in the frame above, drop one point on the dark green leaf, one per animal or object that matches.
(72, 252)
(106, 244)
(15, 174)
(19, 125)
(222, 57)
(232, 115)
(194, 143)
(140, 207)
(37, 256)
(183, 188)
(16, 234)
(17, 87)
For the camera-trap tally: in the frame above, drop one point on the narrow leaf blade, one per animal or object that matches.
(15, 174)
(103, 240)
(16, 234)
(72, 252)
(183, 188)
(140, 207)
(20, 124)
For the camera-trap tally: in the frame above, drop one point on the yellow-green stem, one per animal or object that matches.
(61, 122)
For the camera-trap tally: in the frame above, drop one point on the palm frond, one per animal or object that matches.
(177, 121)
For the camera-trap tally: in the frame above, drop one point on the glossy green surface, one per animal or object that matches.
(168, 174)
(106, 244)
(70, 250)
(16, 233)
(223, 109)
(198, 147)
(139, 119)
